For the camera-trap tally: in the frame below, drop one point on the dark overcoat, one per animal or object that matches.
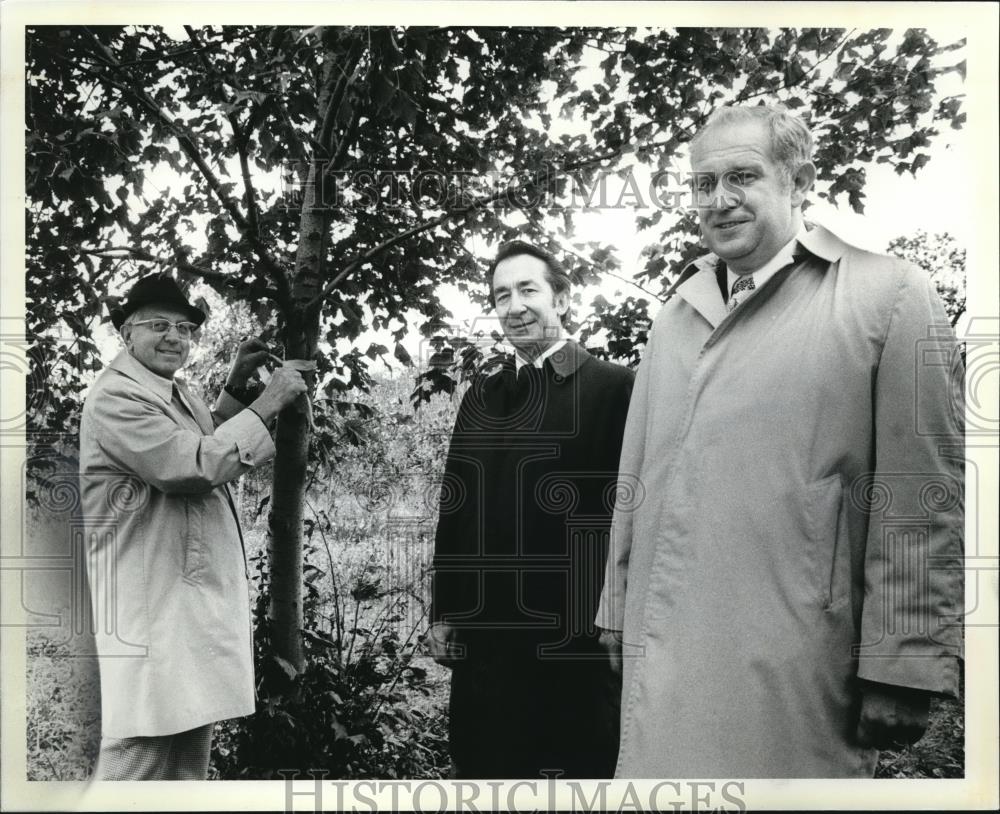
(526, 505)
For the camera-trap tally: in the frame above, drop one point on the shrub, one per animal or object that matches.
(63, 711)
(350, 712)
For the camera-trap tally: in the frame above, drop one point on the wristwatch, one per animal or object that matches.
(244, 395)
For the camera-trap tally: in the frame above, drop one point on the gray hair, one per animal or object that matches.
(791, 141)
(126, 327)
(133, 318)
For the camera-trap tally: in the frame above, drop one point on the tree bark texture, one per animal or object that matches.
(285, 545)
(292, 435)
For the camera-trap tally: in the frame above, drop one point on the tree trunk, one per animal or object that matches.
(285, 544)
(289, 491)
(292, 435)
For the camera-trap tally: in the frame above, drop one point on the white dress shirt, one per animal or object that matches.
(520, 361)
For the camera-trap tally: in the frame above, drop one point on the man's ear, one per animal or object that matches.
(126, 335)
(802, 182)
(561, 301)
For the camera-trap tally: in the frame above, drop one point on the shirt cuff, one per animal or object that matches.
(610, 613)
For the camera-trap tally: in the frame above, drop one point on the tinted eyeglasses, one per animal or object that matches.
(185, 330)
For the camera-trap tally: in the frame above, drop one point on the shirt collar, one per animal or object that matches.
(127, 364)
(565, 360)
(520, 361)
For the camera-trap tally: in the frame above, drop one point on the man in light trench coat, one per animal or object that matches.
(787, 598)
(165, 556)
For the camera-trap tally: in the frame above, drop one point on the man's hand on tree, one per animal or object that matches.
(250, 355)
(892, 716)
(611, 641)
(441, 640)
(285, 386)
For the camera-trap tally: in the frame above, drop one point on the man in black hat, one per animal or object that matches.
(165, 557)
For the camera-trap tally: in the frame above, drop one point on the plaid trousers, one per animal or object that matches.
(183, 756)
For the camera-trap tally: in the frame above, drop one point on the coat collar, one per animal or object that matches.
(568, 359)
(564, 362)
(127, 364)
(697, 283)
(823, 243)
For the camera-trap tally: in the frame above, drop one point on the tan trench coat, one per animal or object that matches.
(165, 559)
(800, 523)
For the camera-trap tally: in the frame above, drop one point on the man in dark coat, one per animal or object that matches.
(526, 504)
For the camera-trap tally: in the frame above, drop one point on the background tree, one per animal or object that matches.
(943, 260)
(321, 176)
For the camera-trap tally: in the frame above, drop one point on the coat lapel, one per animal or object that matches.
(698, 285)
(701, 292)
(196, 408)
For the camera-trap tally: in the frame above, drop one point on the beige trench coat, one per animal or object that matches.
(800, 522)
(165, 559)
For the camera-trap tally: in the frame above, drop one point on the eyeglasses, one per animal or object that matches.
(185, 330)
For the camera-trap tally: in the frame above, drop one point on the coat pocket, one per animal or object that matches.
(193, 540)
(828, 532)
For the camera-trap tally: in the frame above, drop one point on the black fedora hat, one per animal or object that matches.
(155, 289)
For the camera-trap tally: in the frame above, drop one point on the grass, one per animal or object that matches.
(939, 753)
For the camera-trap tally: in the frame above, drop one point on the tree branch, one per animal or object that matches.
(184, 136)
(239, 137)
(189, 146)
(345, 142)
(458, 212)
(604, 270)
(200, 271)
(740, 98)
(316, 301)
(294, 143)
(347, 78)
(589, 44)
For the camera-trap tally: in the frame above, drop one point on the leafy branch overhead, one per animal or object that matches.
(254, 122)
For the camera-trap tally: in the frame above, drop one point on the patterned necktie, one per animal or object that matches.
(743, 284)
